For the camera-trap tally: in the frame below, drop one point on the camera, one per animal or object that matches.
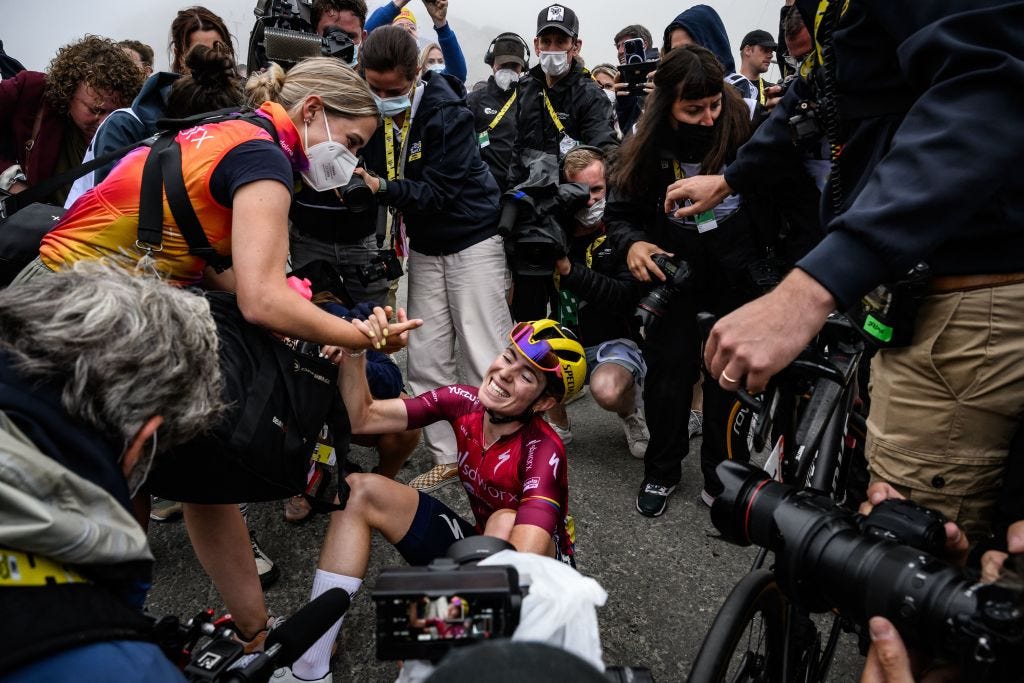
(384, 265)
(356, 194)
(638, 64)
(653, 306)
(423, 612)
(805, 126)
(531, 223)
(828, 558)
(283, 34)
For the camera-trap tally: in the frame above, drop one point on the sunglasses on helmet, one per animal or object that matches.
(538, 352)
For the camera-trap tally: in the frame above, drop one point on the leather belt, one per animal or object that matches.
(942, 284)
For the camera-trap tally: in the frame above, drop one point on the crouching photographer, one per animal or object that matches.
(882, 565)
(102, 372)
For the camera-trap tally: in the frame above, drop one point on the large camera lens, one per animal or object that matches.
(357, 195)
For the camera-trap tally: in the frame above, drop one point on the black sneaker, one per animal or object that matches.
(653, 498)
(268, 571)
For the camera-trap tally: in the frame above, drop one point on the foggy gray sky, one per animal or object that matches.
(32, 30)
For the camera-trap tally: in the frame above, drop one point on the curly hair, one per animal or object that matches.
(99, 62)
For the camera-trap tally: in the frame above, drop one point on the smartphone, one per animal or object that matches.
(633, 51)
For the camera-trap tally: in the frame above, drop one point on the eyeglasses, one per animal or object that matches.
(539, 352)
(797, 62)
(94, 110)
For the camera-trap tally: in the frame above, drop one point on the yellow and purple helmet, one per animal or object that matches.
(553, 350)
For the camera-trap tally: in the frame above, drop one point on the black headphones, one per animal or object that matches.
(507, 37)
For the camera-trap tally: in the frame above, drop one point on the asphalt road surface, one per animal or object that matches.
(665, 577)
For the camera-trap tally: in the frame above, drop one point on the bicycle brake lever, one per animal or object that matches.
(748, 400)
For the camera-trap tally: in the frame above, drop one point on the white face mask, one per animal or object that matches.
(554, 64)
(435, 67)
(355, 56)
(610, 94)
(591, 215)
(330, 163)
(505, 78)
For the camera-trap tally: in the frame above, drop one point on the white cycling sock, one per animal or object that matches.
(316, 661)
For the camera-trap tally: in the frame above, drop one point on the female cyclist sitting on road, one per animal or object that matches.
(511, 464)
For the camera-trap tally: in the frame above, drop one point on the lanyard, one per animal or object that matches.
(760, 91)
(678, 170)
(504, 110)
(554, 116)
(389, 144)
(818, 16)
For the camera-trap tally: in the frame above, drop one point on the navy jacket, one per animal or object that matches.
(448, 197)
(121, 128)
(706, 28)
(931, 161)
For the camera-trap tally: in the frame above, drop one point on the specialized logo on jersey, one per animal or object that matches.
(554, 464)
(502, 459)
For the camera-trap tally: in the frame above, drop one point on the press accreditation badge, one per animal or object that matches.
(567, 145)
(706, 221)
(484, 138)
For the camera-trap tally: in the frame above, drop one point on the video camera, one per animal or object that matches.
(828, 558)
(222, 657)
(423, 612)
(531, 223)
(639, 63)
(283, 34)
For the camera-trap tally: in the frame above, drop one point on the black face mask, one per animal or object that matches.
(692, 142)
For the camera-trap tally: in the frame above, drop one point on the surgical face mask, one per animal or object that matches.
(436, 67)
(610, 94)
(505, 78)
(140, 472)
(330, 163)
(591, 215)
(393, 106)
(554, 64)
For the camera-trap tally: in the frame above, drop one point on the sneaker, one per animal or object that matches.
(637, 435)
(436, 477)
(653, 498)
(163, 510)
(707, 498)
(285, 675)
(268, 571)
(696, 427)
(564, 433)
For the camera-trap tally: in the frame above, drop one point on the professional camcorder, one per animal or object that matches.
(423, 612)
(652, 307)
(208, 650)
(531, 223)
(884, 564)
(283, 34)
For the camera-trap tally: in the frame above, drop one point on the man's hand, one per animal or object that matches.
(563, 266)
(438, 11)
(889, 662)
(772, 96)
(640, 264)
(705, 191)
(759, 339)
(992, 561)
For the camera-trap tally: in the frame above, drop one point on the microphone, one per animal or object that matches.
(284, 45)
(287, 642)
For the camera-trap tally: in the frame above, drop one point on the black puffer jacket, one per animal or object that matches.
(581, 107)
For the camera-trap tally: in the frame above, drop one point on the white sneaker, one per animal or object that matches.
(564, 433)
(285, 675)
(696, 424)
(707, 498)
(637, 435)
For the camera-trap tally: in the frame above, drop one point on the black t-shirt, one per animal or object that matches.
(250, 161)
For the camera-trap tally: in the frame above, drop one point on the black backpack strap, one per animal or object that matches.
(151, 197)
(184, 215)
(45, 188)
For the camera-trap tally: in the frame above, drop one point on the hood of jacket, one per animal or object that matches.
(440, 89)
(150, 104)
(706, 28)
(60, 482)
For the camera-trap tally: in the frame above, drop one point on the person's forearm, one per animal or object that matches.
(355, 390)
(276, 307)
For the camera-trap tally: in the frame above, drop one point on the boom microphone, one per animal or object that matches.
(284, 45)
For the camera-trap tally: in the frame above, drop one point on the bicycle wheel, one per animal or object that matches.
(745, 642)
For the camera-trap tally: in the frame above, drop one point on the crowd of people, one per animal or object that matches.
(558, 227)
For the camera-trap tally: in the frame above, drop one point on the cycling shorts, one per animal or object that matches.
(435, 527)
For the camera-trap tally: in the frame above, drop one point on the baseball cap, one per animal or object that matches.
(759, 37)
(560, 17)
(407, 14)
(508, 49)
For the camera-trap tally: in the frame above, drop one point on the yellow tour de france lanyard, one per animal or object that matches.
(504, 110)
(818, 16)
(389, 143)
(18, 569)
(760, 91)
(554, 116)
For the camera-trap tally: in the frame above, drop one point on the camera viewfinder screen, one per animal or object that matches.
(448, 617)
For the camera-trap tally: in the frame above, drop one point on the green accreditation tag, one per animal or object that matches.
(325, 454)
(706, 221)
(568, 308)
(877, 329)
(484, 138)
